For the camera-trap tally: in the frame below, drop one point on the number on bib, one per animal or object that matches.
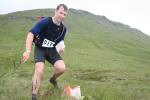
(47, 43)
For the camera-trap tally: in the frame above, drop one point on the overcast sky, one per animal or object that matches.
(135, 13)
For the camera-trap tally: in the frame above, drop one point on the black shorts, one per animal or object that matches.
(49, 54)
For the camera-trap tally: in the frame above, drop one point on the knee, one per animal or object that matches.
(40, 68)
(40, 71)
(61, 68)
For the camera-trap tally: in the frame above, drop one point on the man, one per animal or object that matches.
(46, 34)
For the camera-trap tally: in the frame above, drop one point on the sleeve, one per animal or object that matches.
(65, 31)
(39, 26)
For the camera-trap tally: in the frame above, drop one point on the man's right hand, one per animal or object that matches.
(26, 56)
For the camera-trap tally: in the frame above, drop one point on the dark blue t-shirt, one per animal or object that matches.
(48, 32)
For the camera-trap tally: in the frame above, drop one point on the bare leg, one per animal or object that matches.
(59, 70)
(37, 77)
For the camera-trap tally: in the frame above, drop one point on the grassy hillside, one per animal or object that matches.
(109, 60)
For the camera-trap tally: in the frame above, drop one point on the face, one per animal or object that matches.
(60, 14)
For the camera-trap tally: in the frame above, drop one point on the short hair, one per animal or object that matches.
(63, 5)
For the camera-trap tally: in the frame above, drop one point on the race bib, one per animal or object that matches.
(47, 43)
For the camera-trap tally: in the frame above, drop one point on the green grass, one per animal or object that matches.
(108, 60)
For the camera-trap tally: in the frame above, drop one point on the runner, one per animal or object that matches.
(46, 34)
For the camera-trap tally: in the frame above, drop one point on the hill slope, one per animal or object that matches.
(109, 60)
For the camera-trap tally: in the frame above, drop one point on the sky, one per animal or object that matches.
(135, 13)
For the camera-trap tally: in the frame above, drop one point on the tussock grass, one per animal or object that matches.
(108, 60)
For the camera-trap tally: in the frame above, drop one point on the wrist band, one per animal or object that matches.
(28, 51)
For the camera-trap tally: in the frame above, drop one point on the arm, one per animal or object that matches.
(60, 47)
(29, 41)
(61, 43)
(33, 32)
